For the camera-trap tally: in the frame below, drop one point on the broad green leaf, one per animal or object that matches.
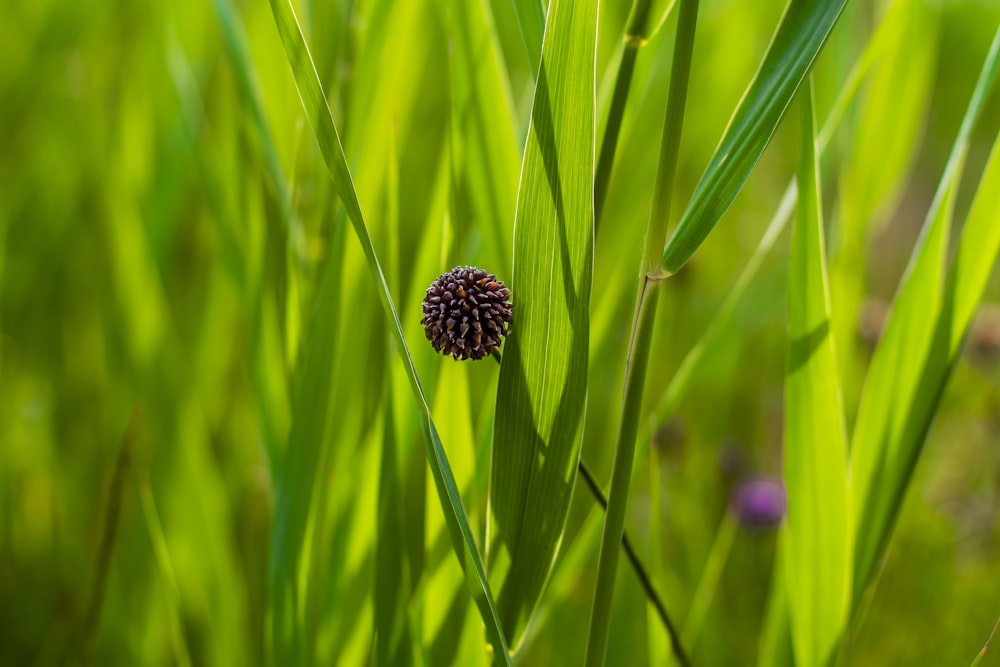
(798, 40)
(816, 544)
(328, 139)
(928, 320)
(543, 377)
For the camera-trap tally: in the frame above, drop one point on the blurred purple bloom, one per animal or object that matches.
(760, 502)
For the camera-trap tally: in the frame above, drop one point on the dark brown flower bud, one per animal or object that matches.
(466, 313)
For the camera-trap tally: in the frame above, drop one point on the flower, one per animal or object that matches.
(466, 313)
(760, 502)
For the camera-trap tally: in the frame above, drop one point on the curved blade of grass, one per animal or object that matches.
(543, 376)
(986, 646)
(321, 120)
(816, 540)
(798, 40)
(680, 382)
(920, 343)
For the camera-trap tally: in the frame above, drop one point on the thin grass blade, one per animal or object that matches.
(531, 22)
(328, 139)
(986, 646)
(798, 40)
(295, 484)
(713, 335)
(484, 148)
(543, 376)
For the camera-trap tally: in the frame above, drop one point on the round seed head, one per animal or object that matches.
(466, 313)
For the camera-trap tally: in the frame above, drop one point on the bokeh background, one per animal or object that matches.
(165, 224)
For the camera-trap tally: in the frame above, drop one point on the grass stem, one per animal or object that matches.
(616, 112)
(614, 519)
(645, 580)
(642, 333)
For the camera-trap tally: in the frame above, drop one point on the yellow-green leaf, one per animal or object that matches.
(543, 377)
(816, 546)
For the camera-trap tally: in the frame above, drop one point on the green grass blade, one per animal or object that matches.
(163, 561)
(775, 647)
(295, 485)
(239, 53)
(531, 22)
(543, 376)
(977, 252)
(638, 352)
(986, 646)
(816, 540)
(328, 139)
(484, 147)
(392, 640)
(918, 346)
(888, 138)
(692, 360)
(798, 40)
(639, 29)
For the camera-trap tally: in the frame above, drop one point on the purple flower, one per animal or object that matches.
(760, 502)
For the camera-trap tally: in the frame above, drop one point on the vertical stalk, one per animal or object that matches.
(612, 129)
(642, 330)
(637, 33)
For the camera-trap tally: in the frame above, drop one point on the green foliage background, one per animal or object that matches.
(173, 256)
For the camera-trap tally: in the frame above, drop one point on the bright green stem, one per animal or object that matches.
(637, 32)
(614, 519)
(709, 581)
(673, 121)
(641, 572)
(642, 333)
(609, 143)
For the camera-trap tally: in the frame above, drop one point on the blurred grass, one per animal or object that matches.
(148, 258)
